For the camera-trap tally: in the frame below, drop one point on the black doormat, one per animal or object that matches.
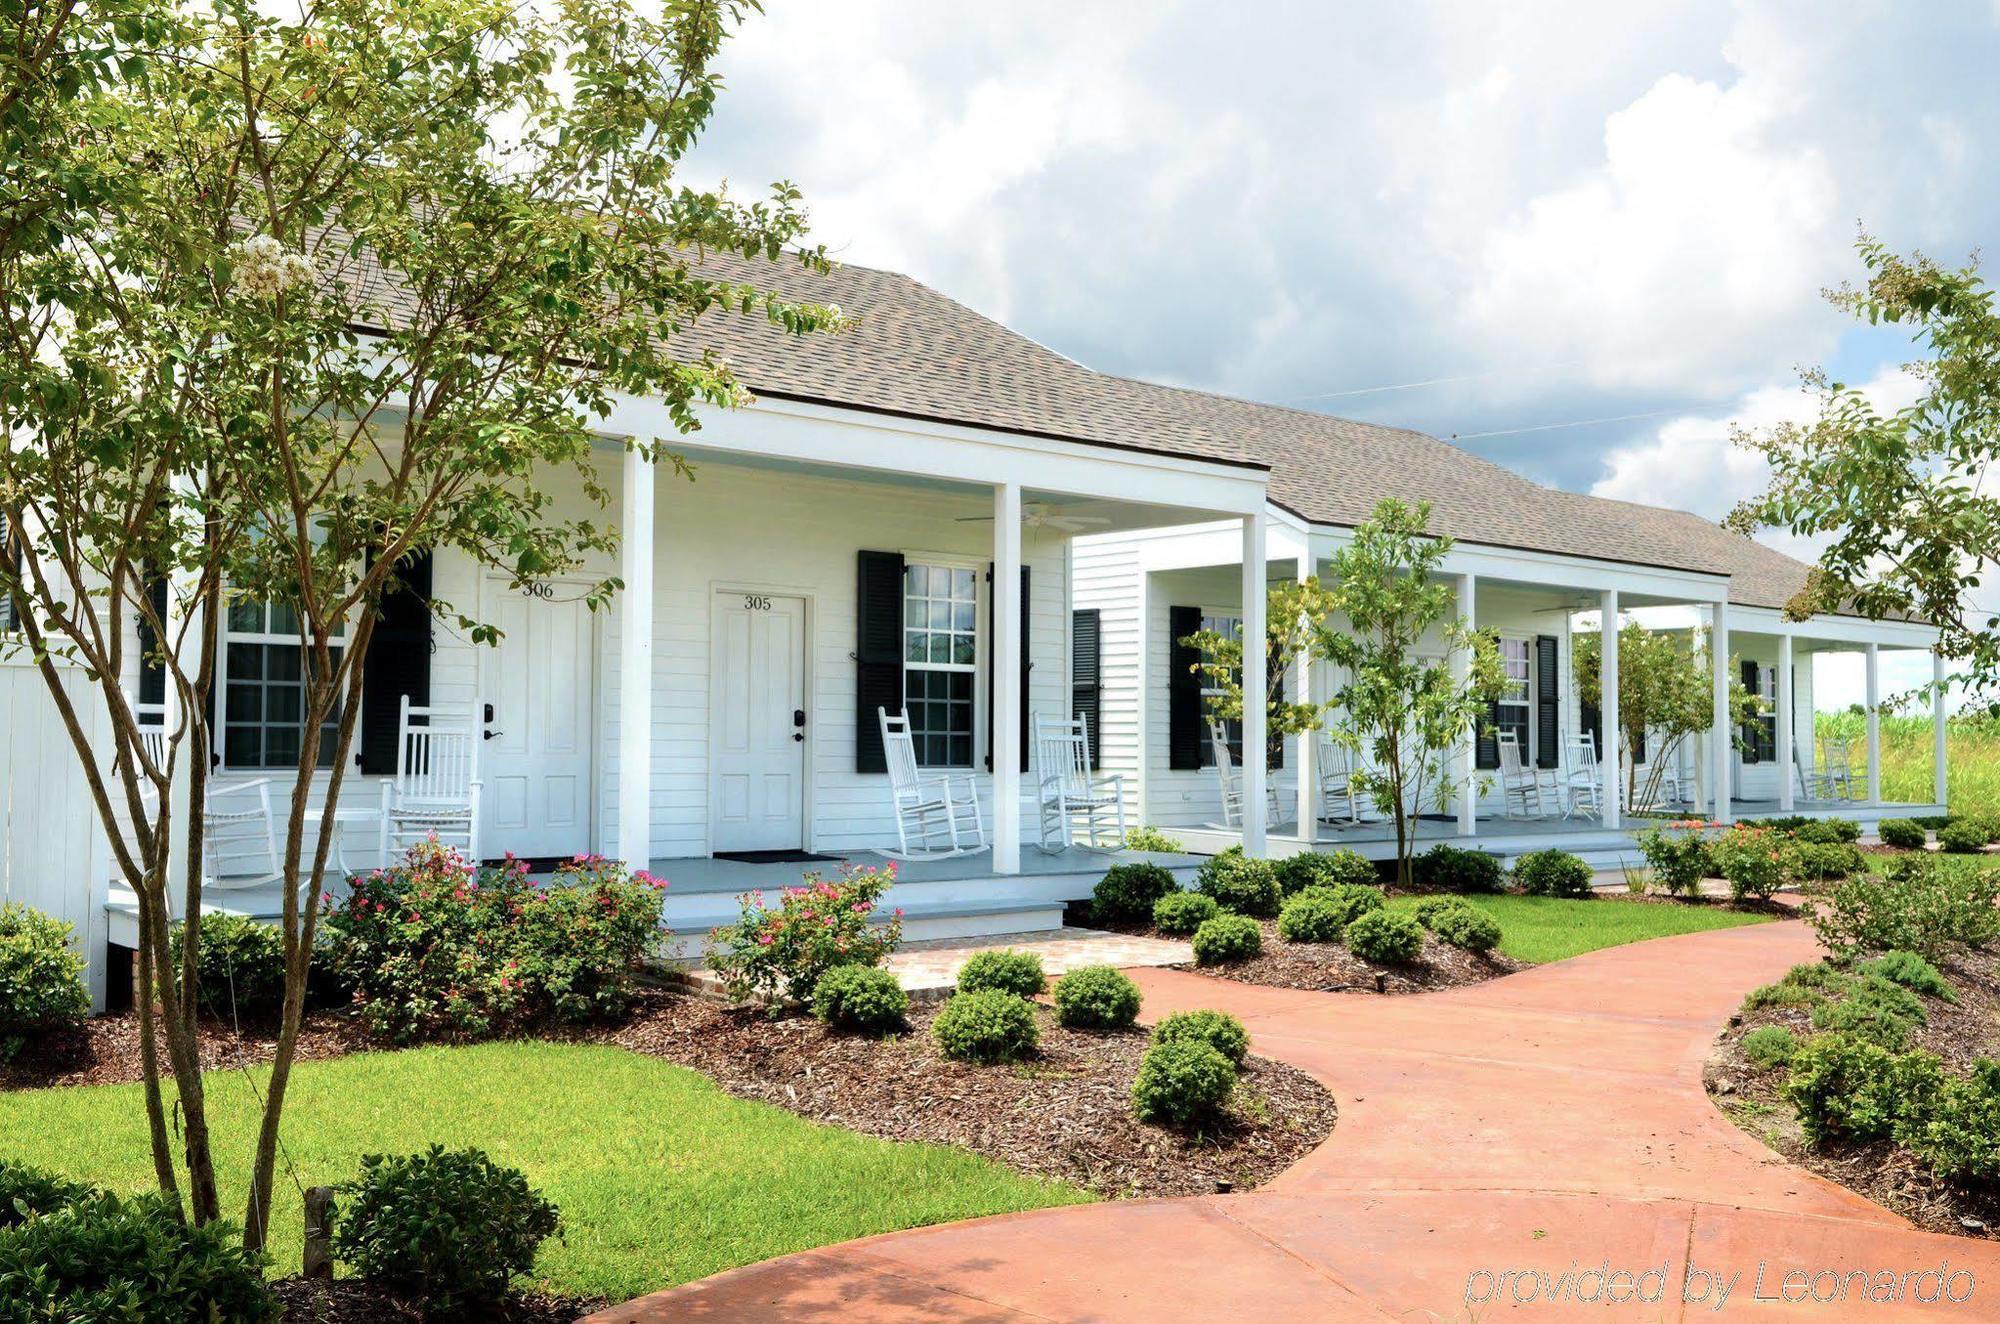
(773, 856)
(535, 863)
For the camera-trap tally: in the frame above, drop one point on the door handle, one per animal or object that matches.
(488, 735)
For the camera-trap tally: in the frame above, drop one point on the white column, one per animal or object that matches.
(1721, 746)
(1007, 696)
(1940, 767)
(1787, 779)
(1256, 747)
(1304, 744)
(1874, 724)
(1468, 745)
(635, 663)
(1612, 788)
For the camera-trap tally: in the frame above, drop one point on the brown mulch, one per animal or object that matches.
(1881, 1171)
(348, 1301)
(104, 1050)
(1328, 967)
(1066, 1113)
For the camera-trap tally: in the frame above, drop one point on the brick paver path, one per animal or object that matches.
(1491, 1139)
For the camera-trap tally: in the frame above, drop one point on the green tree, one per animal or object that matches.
(358, 286)
(1666, 691)
(1292, 614)
(1914, 526)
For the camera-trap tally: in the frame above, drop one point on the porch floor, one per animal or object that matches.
(694, 875)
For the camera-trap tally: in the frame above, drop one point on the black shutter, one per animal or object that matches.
(878, 653)
(1548, 703)
(1184, 716)
(1486, 745)
(1639, 753)
(152, 666)
(1751, 728)
(1592, 718)
(398, 663)
(1085, 656)
(993, 634)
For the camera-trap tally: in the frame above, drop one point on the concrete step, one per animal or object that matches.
(925, 918)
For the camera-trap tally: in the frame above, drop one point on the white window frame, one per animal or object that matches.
(1211, 617)
(976, 668)
(230, 636)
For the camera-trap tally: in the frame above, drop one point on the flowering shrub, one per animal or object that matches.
(439, 948)
(1920, 903)
(1751, 859)
(1678, 855)
(780, 953)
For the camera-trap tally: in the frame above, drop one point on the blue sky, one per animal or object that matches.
(1519, 217)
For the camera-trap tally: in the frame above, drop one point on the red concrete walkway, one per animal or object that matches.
(1491, 1140)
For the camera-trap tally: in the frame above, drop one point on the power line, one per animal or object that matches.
(1430, 381)
(1575, 423)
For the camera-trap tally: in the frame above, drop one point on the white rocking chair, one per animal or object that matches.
(435, 791)
(1334, 763)
(1836, 770)
(1229, 781)
(239, 844)
(1520, 785)
(1072, 795)
(929, 808)
(1582, 784)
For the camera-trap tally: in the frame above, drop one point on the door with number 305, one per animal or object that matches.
(757, 723)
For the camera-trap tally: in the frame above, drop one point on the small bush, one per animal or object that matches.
(25, 1191)
(1934, 822)
(1846, 1089)
(1125, 896)
(1096, 997)
(861, 999)
(239, 963)
(1322, 914)
(1428, 909)
(1218, 1029)
(773, 954)
(1751, 860)
(102, 1257)
(1019, 973)
(1467, 927)
(1802, 986)
(1769, 1046)
(1325, 869)
(1902, 833)
(1182, 1084)
(1450, 869)
(1874, 1010)
(1828, 832)
(1679, 859)
(1960, 1138)
(448, 1226)
(1181, 913)
(1226, 939)
(1989, 823)
(1919, 903)
(1154, 840)
(1385, 937)
(41, 978)
(1912, 972)
(1552, 873)
(986, 1026)
(1240, 884)
(1820, 862)
(1964, 837)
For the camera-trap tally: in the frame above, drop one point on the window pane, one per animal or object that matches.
(246, 618)
(920, 579)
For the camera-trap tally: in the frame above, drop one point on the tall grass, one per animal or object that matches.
(1972, 755)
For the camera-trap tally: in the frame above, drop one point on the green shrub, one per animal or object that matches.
(1019, 973)
(41, 978)
(1902, 833)
(1154, 840)
(1125, 896)
(100, 1257)
(1828, 831)
(1988, 823)
(774, 953)
(1226, 939)
(434, 948)
(986, 1026)
(1964, 837)
(1467, 927)
(1751, 860)
(1182, 1084)
(1847, 1089)
(1240, 884)
(1449, 869)
(239, 963)
(1960, 1138)
(1934, 822)
(1552, 873)
(1919, 903)
(1385, 937)
(1802, 986)
(1218, 1029)
(1325, 869)
(1875, 1010)
(861, 999)
(1322, 914)
(1679, 859)
(1819, 862)
(1096, 997)
(1912, 972)
(25, 1190)
(1769, 1046)
(1181, 913)
(449, 1227)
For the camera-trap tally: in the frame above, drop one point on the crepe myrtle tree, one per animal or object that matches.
(360, 284)
(1914, 527)
(1666, 693)
(1292, 612)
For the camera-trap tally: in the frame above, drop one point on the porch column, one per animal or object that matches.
(1007, 696)
(1940, 768)
(1874, 724)
(1721, 747)
(635, 662)
(1612, 779)
(1468, 744)
(1256, 744)
(1305, 744)
(1786, 777)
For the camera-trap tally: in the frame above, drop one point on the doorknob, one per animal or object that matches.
(488, 735)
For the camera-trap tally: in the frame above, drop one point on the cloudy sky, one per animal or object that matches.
(1579, 238)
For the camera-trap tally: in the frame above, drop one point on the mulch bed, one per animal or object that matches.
(1328, 967)
(349, 1301)
(1066, 1113)
(1881, 1171)
(104, 1050)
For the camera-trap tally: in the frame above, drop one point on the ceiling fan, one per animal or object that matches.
(1036, 515)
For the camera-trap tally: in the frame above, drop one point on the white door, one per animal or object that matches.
(757, 723)
(538, 695)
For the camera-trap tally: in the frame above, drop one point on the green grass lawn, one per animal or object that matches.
(661, 1177)
(1543, 928)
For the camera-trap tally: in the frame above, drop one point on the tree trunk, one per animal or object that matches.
(149, 1059)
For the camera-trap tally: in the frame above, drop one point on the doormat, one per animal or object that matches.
(774, 856)
(535, 863)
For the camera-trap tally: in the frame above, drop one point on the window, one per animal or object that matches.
(1760, 733)
(1515, 709)
(1229, 627)
(263, 692)
(10, 618)
(940, 661)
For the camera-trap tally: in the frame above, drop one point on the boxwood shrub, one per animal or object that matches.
(986, 1026)
(1226, 939)
(1450, 869)
(1828, 831)
(1322, 914)
(1552, 873)
(1466, 927)
(1325, 869)
(239, 963)
(41, 977)
(1240, 884)
(1385, 937)
(861, 999)
(1096, 997)
(1181, 913)
(1125, 896)
(1009, 971)
(1962, 837)
(1183, 1084)
(1218, 1029)
(1902, 833)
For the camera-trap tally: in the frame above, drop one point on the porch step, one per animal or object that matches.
(925, 918)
